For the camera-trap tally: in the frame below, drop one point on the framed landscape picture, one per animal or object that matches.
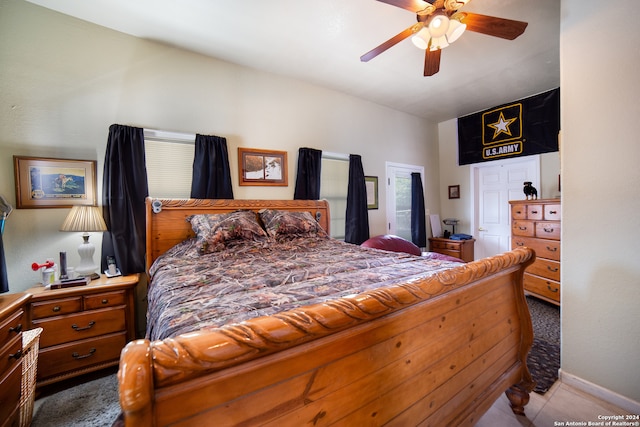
(262, 167)
(54, 183)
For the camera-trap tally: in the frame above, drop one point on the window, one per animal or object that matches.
(334, 184)
(399, 198)
(169, 160)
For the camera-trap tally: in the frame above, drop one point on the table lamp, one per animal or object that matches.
(85, 218)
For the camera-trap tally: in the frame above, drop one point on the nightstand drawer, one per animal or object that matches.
(62, 329)
(453, 246)
(109, 299)
(77, 355)
(55, 307)
(534, 212)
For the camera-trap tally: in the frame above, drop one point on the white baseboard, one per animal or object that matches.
(600, 392)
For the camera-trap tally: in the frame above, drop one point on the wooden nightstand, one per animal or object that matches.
(12, 322)
(462, 249)
(84, 327)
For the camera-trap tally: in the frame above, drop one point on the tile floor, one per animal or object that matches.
(559, 406)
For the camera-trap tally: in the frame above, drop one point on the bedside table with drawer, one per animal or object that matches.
(462, 249)
(84, 327)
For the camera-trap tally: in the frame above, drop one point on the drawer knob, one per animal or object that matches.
(551, 249)
(552, 289)
(554, 270)
(519, 244)
(518, 212)
(548, 230)
(56, 308)
(16, 328)
(534, 212)
(553, 212)
(84, 356)
(522, 228)
(83, 328)
(105, 301)
(17, 355)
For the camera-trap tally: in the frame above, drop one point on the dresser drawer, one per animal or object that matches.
(548, 230)
(552, 212)
(11, 354)
(10, 396)
(544, 287)
(544, 248)
(108, 299)
(518, 211)
(522, 228)
(545, 268)
(535, 212)
(56, 307)
(62, 329)
(77, 355)
(12, 327)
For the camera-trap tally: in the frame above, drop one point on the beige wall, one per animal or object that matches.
(600, 209)
(64, 81)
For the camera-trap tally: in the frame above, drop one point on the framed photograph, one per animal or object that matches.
(262, 167)
(371, 183)
(454, 191)
(54, 183)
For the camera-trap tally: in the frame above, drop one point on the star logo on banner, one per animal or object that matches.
(501, 126)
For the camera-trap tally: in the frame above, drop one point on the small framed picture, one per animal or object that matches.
(54, 183)
(454, 191)
(262, 167)
(371, 183)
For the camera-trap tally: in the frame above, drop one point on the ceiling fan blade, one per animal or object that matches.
(492, 26)
(410, 5)
(431, 62)
(391, 42)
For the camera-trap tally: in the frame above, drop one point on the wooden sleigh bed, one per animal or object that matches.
(430, 350)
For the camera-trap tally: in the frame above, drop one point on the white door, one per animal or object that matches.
(399, 198)
(496, 183)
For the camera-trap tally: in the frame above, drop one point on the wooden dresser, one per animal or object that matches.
(462, 249)
(84, 327)
(536, 224)
(12, 322)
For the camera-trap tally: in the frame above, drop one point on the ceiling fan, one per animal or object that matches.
(440, 24)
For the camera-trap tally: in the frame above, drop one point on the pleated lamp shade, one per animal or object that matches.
(85, 219)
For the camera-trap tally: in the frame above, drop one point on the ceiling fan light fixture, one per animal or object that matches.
(438, 43)
(456, 28)
(438, 25)
(421, 38)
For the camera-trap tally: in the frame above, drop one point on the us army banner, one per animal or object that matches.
(522, 128)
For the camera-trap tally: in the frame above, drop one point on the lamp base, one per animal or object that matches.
(86, 250)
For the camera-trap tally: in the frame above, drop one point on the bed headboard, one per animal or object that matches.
(167, 224)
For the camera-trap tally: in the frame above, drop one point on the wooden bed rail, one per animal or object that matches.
(147, 368)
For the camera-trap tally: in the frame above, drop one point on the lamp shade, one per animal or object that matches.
(84, 218)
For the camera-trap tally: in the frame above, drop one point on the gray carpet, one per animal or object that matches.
(91, 404)
(95, 403)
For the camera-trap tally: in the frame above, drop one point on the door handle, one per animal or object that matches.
(482, 229)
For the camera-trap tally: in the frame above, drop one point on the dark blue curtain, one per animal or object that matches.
(211, 177)
(418, 224)
(308, 176)
(124, 190)
(357, 220)
(4, 281)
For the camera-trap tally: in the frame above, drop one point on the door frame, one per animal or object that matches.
(474, 184)
(390, 201)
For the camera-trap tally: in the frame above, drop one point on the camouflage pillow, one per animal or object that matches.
(214, 230)
(288, 223)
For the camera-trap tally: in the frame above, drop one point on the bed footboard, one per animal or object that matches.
(435, 351)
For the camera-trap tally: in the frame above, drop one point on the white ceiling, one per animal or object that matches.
(321, 42)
